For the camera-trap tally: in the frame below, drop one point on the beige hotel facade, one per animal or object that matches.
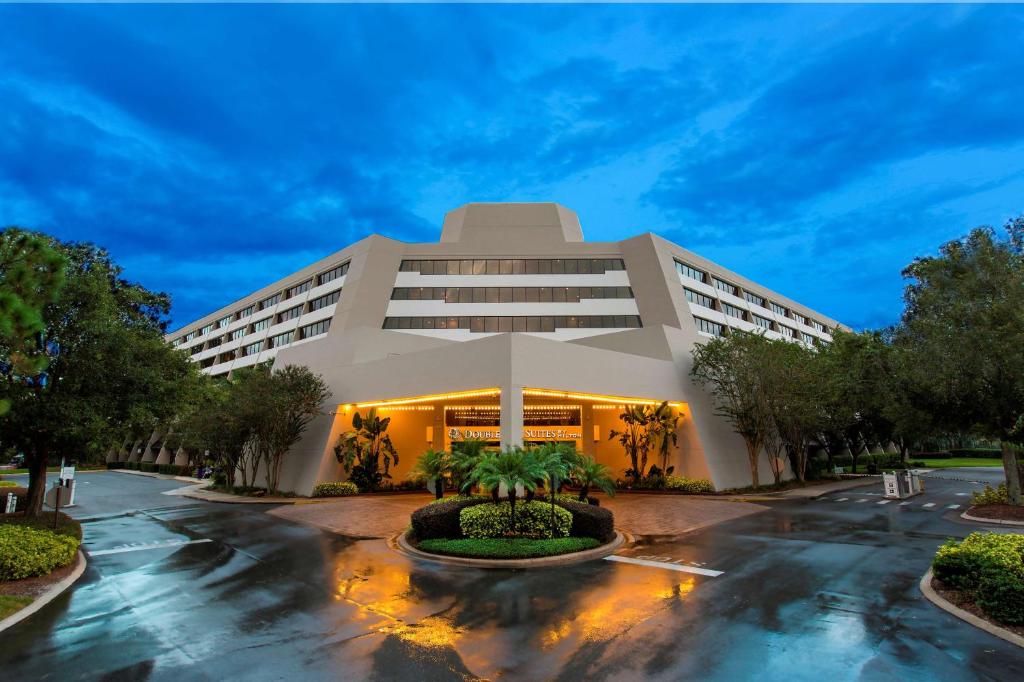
(511, 328)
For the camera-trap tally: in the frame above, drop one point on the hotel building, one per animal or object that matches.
(511, 328)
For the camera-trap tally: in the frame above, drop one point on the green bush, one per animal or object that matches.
(689, 485)
(27, 552)
(440, 518)
(975, 453)
(117, 465)
(9, 484)
(336, 489)
(989, 567)
(991, 495)
(173, 470)
(533, 519)
(590, 521)
(148, 467)
(507, 548)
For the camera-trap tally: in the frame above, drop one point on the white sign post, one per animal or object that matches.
(12, 503)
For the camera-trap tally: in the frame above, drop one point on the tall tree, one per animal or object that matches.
(963, 327)
(732, 369)
(107, 368)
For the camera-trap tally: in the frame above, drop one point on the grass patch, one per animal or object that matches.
(960, 462)
(51, 470)
(9, 605)
(507, 548)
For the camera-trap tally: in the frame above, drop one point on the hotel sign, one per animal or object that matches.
(532, 433)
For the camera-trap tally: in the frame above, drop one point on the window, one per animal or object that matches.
(687, 271)
(326, 300)
(224, 321)
(206, 330)
(315, 329)
(699, 299)
(289, 314)
(755, 299)
(238, 333)
(245, 312)
(215, 341)
(226, 357)
(512, 266)
(725, 286)
(762, 322)
(281, 339)
(708, 327)
(788, 332)
(808, 339)
(818, 326)
(508, 294)
(260, 325)
(298, 289)
(799, 318)
(732, 310)
(267, 302)
(779, 310)
(334, 273)
(252, 348)
(191, 335)
(493, 323)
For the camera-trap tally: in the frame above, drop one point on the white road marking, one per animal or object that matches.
(928, 504)
(860, 501)
(883, 502)
(953, 506)
(664, 564)
(904, 504)
(842, 499)
(962, 494)
(136, 547)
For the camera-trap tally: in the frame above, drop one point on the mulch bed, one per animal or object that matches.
(962, 600)
(999, 512)
(33, 587)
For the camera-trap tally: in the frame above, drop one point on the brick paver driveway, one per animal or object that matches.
(381, 516)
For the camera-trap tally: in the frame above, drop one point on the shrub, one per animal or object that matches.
(148, 467)
(691, 486)
(991, 495)
(117, 465)
(990, 568)
(976, 453)
(172, 470)
(589, 521)
(440, 519)
(533, 519)
(507, 548)
(336, 489)
(9, 484)
(27, 552)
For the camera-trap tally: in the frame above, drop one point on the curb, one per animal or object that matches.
(980, 623)
(45, 598)
(1001, 522)
(400, 544)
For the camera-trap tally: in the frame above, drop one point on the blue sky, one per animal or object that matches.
(815, 149)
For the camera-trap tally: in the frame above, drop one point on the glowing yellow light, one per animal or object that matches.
(594, 397)
(432, 398)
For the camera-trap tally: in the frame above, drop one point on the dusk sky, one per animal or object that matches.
(813, 149)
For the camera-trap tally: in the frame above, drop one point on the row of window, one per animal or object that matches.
(717, 329)
(738, 313)
(323, 278)
(508, 294)
(494, 323)
(701, 276)
(514, 266)
(306, 332)
(313, 305)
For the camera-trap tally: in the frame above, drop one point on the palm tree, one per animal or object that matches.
(635, 438)
(466, 454)
(663, 427)
(362, 450)
(589, 473)
(433, 465)
(511, 467)
(555, 460)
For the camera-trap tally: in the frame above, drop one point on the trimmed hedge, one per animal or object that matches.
(991, 495)
(28, 552)
(507, 548)
(693, 486)
(589, 521)
(989, 567)
(117, 465)
(533, 520)
(441, 519)
(9, 484)
(335, 489)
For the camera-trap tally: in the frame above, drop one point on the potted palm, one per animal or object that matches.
(433, 466)
(589, 473)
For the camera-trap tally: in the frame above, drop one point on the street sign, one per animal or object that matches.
(67, 473)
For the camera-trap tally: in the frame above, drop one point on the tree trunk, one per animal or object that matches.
(752, 453)
(36, 483)
(494, 494)
(438, 488)
(584, 492)
(1012, 472)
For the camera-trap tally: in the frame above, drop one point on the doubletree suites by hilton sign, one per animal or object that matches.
(533, 433)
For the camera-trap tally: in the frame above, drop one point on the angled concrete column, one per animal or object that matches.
(180, 457)
(511, 415)
(133, 454)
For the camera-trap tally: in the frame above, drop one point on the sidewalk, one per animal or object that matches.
(199, 491)
(810, 491)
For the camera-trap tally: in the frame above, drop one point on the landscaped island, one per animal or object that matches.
(512, 521)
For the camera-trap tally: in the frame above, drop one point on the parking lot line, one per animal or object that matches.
(842, 499)
(904, 504)
(664, 564)
(860, 501)
(953, 506)
(139, 548)
(928, 504)
(883, 502)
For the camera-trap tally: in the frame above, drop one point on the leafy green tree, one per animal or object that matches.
(635, 438)
(215, 427)
(511, 467)
(32, 274)
(963, 327)
(433, 465)
(663, 428)
(107, 370)
(589, 473)
(792, 398)
(556, 461)
(732, 369)
(466, 454)
(363, 449)
(285, 401)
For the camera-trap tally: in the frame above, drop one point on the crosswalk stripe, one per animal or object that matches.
(860, 501)
(883, 502)
(904, 504)
(953, 506)
(842, 499)
(928, 504)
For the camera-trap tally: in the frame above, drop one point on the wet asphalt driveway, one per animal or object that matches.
(179, 589)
